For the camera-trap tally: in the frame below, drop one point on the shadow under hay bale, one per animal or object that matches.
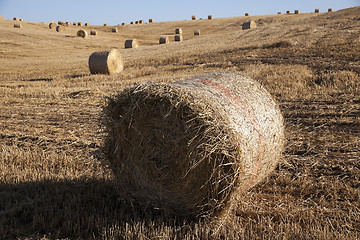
(106, 62)
(192, 147)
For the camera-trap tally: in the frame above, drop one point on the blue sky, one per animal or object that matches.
(116, 12)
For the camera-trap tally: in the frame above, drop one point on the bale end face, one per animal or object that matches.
(296, 12)
(82, 33)
(106, 62)
(330, 10)
(191, 147)
(249, 25)
(131, 43)
(317, 10)
(60, 28)
(151, 20)
(210, 17)
(247, 14)
(93, 32)
(52, 25)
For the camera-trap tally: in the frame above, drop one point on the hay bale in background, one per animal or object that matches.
(330, 10)
(193, 17)
(60, 28)
(52, 25)
(141, 21)
(21, 20)
(249, 25)
(82, 33)
(136, 22)
(151, 20)
(296, 12)
(210, 17)
(288, 12)
(131, 23)
(80, 24)
(74, 24)
(317, 10)
(17, 25)
(196, 32)
(105, 25)
(178, 38)
(87, 24)
(60, 22)
(178, 31)
(247, 14)
(164, 40)
(93, 32)
(114, 30)
(131, 43)
(192, 147)
(1, 18)
(16, 19)
(279, 13)
(68, 24)
(123, 24)
(106, 62)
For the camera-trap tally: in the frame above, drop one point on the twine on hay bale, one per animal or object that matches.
(93, 32)
(178, 38)
(52, 25)
(131, 43)
(114, 30)
(164, 40)
(106, 62)
(82, 33)
(178, 31)
(196, 32)
(249, 25)
(17, 25)
(192, 147)
(60, 28)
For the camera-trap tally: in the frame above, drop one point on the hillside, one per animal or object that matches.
(52, 182)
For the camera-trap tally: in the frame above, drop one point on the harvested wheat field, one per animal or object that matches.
(55, 184)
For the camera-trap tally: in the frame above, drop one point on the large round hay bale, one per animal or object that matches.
(178, 31)
(17, 25)
(178, 38)
(131, 43)
(192, 147)
(249, 25)
(81, 33)
(106, 62)
(60, 28)
(93, 32)
(114, 30)
(52, 25)
(164, 40)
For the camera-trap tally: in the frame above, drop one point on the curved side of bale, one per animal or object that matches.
(93, 32)
(131, 43)
(82, 33)
(192, 147)
(52, 25)
(178, 38)
(17, 25)
(164, 40)
(279, 13)
(249, 25)
(60, 28)
(178, 31)
(197, 32)
(106, 62)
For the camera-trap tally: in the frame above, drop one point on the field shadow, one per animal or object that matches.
(39, 80)
(68, 209)
(78, 75)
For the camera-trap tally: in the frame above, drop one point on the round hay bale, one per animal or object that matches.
(178, 38)
(74, 24)
(87, 24)
(288, 12)
(193, 17)
(60, 28)
(210, 17)
(68, 24)
(192, 147)
(93, 32)
(81, 33)
(60, 22)
(131, 23)
(330, 10)
(21, 20)
(136, 22)
(123, 24)
(151, 20)
(279, 13)
(247, 14)
(141, 21)
(106, 62)
(317, 10)
(296, 11)
(16, 19)
(52, 25)
(114, 30)
(196, 32)
(80, 24)
(249, 25)
(131, 43)
(17, 25)
(164, 40)
(105, 25)
(178, 31)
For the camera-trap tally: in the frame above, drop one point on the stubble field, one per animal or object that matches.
(52, 180)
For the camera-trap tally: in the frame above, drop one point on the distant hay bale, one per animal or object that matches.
(296, 12)
(87, 24)
(288, 12)
(93, 32)
(164, 40)
(196, 32)
(141, 21)
(178, 31)
(106, 62)
(193, 17)
(74, 24)
(131, 43)
(123, 24)
(114, 30)
(210, 17)
(52, 25)
(82, 33)
(330, 10)
(249, 25)
(178, 38)
(80, 24)
(60, 22)
(60, 28)
(1, 18)
(191, 148)
(151, 20)
(279, 13)
(17, 25)
(136, 22)
(317, 10)
(68, 24)
(21, 20)
(131, 23)
(105, 25)
(16, 19)
(247, 14)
